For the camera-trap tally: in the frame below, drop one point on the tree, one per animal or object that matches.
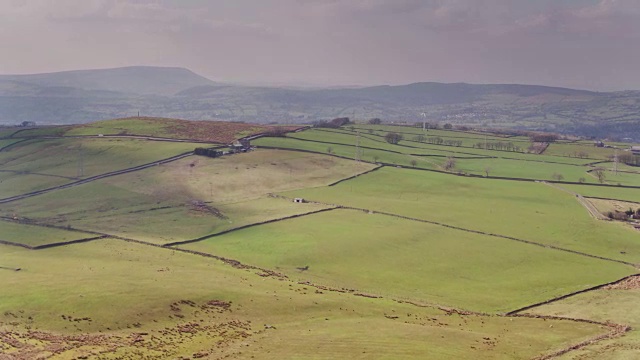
(419, 138)
(600, 174)
(582, 180)
(414, 163)
(375, 121)
(329, 150)
(557, 177)
(447, 126)
(487, 170)
(449, 164)
(393, 138)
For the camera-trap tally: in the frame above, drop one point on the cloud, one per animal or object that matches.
(568, 42)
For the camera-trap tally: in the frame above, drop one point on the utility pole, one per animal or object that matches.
(424, 121)
(357, 158)
(80, 172)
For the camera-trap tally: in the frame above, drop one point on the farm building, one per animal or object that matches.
(635, 150)
(240, 145)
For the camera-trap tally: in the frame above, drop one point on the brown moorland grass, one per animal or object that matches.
(210, 131)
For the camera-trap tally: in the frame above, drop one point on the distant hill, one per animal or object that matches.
(90, 95)
(134, 79)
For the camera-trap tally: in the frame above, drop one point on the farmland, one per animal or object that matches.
(127, 245)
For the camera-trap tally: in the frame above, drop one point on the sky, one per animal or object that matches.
(587, 44)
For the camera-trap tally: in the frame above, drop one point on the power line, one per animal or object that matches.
(80, 171)
(357, 158)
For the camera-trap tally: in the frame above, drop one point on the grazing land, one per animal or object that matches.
(128, 245)
(497, 275)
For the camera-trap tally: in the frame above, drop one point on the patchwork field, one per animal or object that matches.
(510, 208)
(497, 275)
(417, 251)
(177, 304)
(616, 304)
(188, 198)
(34, 236)
(38, 164)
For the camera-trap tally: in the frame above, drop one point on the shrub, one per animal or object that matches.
(393, 138)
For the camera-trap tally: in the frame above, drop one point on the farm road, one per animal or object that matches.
(97, 177)
(584, 202)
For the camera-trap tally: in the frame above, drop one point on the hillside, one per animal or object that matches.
(89, 95)
(132, 80)
(134, 247)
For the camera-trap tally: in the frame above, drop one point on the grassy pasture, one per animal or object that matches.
(31, 235)
(349, 139)
(114, 293)
(614, 305)
(610, 192)
(90, 289)
(525, 210)
(8, 131)
(16, 183)
(525, 170)
(412, 130)
(41, 131)
(349, 151)
(39, 164)
(155, 204)
(466, 150)
(7, 142)
(593, 152)
(408, 259)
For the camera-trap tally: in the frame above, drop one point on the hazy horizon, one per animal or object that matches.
(590, 44)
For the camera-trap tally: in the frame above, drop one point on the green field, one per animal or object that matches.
(610, 192)
(410, 146)
(211, 258)
(38, 164)
(157, 204)
(92, 290)
(510, 208)
(578, 150)
(31, 235)
(606, 305)
(497, 275)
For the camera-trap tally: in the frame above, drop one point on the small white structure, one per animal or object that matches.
(298, 200)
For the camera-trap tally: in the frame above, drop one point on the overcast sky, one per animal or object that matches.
(591, 44)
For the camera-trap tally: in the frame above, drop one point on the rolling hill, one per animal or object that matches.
(89, 95)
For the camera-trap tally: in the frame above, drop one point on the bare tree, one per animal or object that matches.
(414, 162)
(487, 170)
(600, 174)
(449, 164)
(558, 177)
(329, 150)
